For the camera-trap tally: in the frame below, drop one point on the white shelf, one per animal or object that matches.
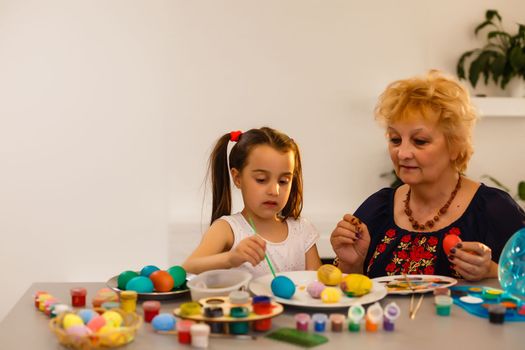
(500, 106)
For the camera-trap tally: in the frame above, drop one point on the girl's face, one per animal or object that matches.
(265, 181)
(419, 151)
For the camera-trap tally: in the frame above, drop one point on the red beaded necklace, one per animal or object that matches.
(430, 223)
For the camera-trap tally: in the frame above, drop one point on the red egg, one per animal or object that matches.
(162, 281)
(450, 242)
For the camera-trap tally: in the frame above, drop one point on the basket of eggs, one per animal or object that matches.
(95, 328)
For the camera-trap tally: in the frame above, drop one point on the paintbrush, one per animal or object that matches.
(412, 311)
(265, 255)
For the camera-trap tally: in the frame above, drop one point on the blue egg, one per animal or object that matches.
(140, 284)
(283, 287)
(148, 270)
(163, 322)
(86, 315)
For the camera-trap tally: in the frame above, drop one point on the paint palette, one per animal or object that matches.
(416, 283)
(231, 315)
(476, 301)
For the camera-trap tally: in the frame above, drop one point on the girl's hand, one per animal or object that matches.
(350, 240)
(473, 261)
(251, 249)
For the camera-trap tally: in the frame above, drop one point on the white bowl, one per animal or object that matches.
(216, 283)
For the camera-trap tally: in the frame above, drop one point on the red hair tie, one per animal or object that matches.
(234, 135)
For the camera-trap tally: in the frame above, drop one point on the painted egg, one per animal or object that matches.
(71, 320)
(163, 322)
(96, 323)
(330, 295)
(329, 275)
(78, 331)
(356, 285)
(124, 278)
(103, 295)
(162, 281)
(283, 287)
(450, 242)
(315, 288)
(87, 314)
(113, 318)
(140, 284)
(179, 275)
(148, 270)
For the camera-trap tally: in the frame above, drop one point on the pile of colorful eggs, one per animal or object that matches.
(329, 277)
(50, 305)
(151, 278)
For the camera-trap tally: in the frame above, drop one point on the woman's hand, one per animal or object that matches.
(473, 261)
(251, 249)
(350, 241)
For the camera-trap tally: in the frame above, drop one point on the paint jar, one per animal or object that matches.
(239, 297)
(151, 309)
(262, 305)
(443, 305)
(491, 294)
(200, 334)
(190, 309)
(390, 314)
(337, 322)
(184, 331)
(128, 300)
(302, 322)
(497, 313)
(355, 316)
(319, 321)
(214, 312)
(441, 291)
(78, 297)
(239, 327)
(374, 315)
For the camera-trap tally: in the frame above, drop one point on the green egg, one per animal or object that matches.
(140, 284)
(124, 278)
(179, 275)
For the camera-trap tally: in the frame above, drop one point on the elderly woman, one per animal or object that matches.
(428, 124)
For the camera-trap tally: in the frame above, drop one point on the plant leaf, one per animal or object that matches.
(498, 65)
(517, 58)
(491, 14)
(482, 25)
(496, 182)
(496, 33)
(460, 68)
(521, 190)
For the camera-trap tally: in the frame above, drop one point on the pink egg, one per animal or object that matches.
(315, 289)
(79, 331)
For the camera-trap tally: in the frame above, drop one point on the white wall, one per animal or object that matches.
(109, 110)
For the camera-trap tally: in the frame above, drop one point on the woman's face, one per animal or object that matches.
(419, 151)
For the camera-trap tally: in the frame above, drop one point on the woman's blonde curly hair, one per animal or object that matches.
(433, 96)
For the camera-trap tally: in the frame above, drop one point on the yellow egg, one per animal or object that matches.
(71, 320)
(113, 318)
(329, 275)
(330, 295)
(356, 285)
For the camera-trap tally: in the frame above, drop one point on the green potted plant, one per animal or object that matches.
(502, 58)
(520, 194)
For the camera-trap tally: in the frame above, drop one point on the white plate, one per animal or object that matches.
(262, 286)
(421, 283)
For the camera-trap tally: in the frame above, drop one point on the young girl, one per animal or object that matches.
(265, 165)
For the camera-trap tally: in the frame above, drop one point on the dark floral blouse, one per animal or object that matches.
(491, 218)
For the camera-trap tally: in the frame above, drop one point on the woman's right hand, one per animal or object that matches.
(251, 249)
(350, 241)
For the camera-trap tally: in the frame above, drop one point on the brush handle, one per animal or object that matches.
(265, 255)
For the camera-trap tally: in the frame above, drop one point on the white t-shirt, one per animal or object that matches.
(288, 255)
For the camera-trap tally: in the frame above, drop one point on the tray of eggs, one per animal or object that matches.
(152, 283)
(326, 288)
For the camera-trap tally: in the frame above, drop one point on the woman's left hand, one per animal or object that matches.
(473, 261)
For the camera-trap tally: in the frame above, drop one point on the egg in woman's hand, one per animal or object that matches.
(283, 287)
(450, 241)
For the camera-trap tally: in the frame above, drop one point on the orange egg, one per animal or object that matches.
(450, 242)
(162, 281)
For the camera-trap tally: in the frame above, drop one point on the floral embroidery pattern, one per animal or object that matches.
(414, 253)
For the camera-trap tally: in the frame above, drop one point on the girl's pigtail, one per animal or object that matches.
(220, 179)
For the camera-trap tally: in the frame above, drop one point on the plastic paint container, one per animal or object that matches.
(190, 309)
(128, 300)
(355, 315)
(374, 315)
(441, 291)
(497, 313)
(183, 331)
(262, 305)
(319, 321)
(151, 309)
(200, 334)
(239, 327)
(443, 305)
(337, 322)
(239, 297)
(390, 314)
(302, 321)
(78, 297)
(214, 312)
